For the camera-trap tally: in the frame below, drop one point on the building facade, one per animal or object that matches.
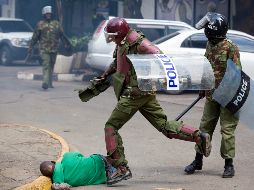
(82, 16)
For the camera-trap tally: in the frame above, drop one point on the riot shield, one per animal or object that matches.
(160, 72)
(236, 93)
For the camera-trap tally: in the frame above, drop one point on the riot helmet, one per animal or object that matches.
(46, 9)
(116, 29)
(215, 24)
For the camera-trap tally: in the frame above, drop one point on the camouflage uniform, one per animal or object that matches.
(131, 100)
(48, 33)
(218, 55)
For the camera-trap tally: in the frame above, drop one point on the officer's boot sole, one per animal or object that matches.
(116, 180)
(126, 176)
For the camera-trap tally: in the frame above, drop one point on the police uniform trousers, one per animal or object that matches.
(48, 62)
(213, 111)
(124, 110)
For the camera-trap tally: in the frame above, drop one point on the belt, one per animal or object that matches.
(135, 92)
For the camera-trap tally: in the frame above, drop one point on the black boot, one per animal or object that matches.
(44, 86)
(195, 165)
(229, 171)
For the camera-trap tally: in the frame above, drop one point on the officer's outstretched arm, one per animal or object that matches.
(109, 71)
(97, 85)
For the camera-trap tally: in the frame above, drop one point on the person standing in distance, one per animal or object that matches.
(131, 99)
(48, 33)
(218, 50)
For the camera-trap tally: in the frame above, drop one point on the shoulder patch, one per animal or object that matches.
(146, 47)
(134, 37)
(230, 42)
(55, 21)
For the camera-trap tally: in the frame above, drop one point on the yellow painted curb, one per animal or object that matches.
(65, 146)
(42, 183)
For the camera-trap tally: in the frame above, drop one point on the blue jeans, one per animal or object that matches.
(108, 167)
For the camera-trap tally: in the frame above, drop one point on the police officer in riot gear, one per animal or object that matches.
(218, 50)
(131, 99)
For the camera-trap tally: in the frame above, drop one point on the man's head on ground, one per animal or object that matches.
(47, 168)
(47, 12)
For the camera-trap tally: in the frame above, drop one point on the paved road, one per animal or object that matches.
(156, 161)
(22, 149)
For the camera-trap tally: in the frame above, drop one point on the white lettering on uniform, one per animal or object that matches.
(170, 70)
(241, 94)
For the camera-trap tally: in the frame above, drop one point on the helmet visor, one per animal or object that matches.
(203, 21)
(201, 24)
(110, 37)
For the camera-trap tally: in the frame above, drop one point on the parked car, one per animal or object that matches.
(100, 53)
(193, 42)
(15, 35)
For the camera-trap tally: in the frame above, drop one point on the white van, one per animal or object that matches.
(100, 53)
(15, 36)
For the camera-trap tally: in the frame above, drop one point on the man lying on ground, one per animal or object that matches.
(77, 170)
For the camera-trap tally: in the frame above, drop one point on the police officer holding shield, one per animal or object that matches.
(131, 99)
(218, 50)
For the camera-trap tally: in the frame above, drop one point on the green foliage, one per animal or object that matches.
(80, 43)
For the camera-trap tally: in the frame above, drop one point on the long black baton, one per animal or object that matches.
(188, 108)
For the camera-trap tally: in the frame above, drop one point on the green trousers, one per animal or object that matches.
(48, 62)
(124, 110)
(228, 122)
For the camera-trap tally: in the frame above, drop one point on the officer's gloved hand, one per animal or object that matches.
(201, 93)
(100, 78)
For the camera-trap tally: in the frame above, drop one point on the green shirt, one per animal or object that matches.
(78, 170)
